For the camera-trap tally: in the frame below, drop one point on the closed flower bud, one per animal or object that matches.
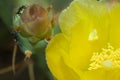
(35, 22)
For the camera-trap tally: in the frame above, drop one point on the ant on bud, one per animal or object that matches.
(20, 10)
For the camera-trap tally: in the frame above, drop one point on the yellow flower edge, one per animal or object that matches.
(58, 66)
(92, 49)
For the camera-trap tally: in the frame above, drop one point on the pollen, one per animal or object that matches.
(108, 58)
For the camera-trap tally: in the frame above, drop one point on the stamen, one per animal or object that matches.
(107, 58)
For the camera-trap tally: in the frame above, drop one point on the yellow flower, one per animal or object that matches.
(89, 46)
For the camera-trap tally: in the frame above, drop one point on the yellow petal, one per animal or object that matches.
(101, 74)
(56, 55)
(113, 74)
(114, 34)
(70, 17)
(89, 32)
(95, 75)
(79, 11)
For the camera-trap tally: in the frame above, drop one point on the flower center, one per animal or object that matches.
(108, 58)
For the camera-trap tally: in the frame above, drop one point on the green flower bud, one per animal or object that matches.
(35, 23)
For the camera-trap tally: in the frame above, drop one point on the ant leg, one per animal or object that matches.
(14, 58)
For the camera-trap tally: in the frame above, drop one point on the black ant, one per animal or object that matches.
(20, 10)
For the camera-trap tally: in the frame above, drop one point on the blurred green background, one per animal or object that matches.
(40, 69)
